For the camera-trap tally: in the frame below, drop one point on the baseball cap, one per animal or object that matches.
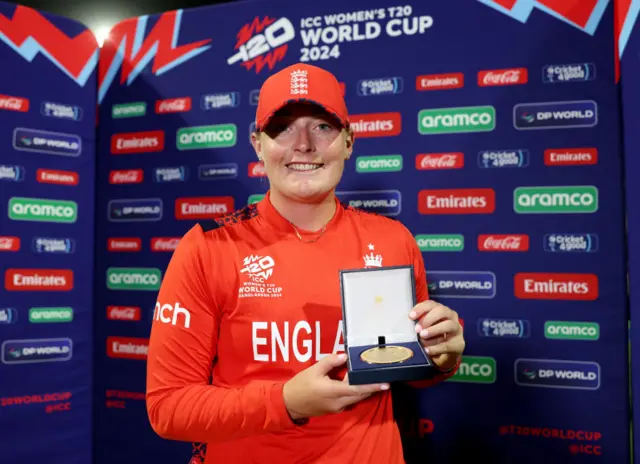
(302, 83)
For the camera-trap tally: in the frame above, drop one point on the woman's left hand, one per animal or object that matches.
(440, 333)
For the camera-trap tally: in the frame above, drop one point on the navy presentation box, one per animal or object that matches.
(376, 303)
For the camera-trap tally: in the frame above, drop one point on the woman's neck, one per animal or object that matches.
(306, 216)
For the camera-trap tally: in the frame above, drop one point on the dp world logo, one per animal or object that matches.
(383, 202)
(131, 278)
(555, 115)
(457, 120)
(52, 143)
(554, 373)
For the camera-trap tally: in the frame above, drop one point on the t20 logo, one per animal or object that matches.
(258, 268)
(262, 43)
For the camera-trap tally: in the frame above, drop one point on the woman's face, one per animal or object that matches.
(303, 150)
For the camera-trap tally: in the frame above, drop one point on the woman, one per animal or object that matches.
(243, 355)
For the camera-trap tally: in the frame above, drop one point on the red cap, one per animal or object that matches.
(301, 83)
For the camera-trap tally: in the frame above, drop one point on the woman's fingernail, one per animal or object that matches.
(384, 387)
(424, 333)
(418, 328)
(426, 350)
(412, 314)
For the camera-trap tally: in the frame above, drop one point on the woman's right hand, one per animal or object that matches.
(313, 393)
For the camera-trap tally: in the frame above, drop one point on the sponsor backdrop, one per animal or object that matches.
(47, 180)
(498, 149)
(628, 42)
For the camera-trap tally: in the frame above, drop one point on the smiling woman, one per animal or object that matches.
(246, 347)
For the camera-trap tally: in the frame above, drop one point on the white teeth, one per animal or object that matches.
(304, 167)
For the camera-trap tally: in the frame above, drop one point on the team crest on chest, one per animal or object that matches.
(372, 259)
(256, 274)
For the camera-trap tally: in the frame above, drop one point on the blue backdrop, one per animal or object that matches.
(498, 146)
(47, 191)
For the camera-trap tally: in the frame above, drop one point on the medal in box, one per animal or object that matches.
(380, 340)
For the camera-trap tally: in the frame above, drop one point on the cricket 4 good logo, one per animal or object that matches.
(256, 169)
(217, 171)
(578, 199)
(555, 373)
(128, 176)
(262, 43)
(380, 86)
(51, 143)
(9, 243)
(383, 202)
(475, 369)
(461, 284)
(435, 242)
(456, 120)
(379, 163)
(123, 313)
(42, 210)
(56, 177)
(8, 103)
(497, 77)
(503, 242)
(164, 243)
(8, 316)
(129, 110)
(132, 278)
(572, 330)
(440, 81)
(135, 210)
(570, 156)
(172, 314)
(50, 315)
(567, 243)
(503, 158)
(128, 348)
(38, 280)
(36, 351)
(218, 101)
(61, 111)
(555, 286)
(53, 245)
(131, 244)
(504, 328)
(173, 105)
(203, 207)
(555, 115)
(137, 142)
(201, 137)
(12, 173)
(376, 124)
(433, 161)
(457, 201)
(171, 174)
(562, 73)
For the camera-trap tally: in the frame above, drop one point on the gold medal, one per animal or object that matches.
(386, 355)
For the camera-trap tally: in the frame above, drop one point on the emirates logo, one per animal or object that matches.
(299, 83)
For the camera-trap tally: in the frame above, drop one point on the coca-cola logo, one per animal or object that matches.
(14, 103)
(123, 313)
(511, 76)
(432, 161)
(9, 244)
(173, 105)
(514, 242)
(256, 170)
(164, 243)
(132, 176)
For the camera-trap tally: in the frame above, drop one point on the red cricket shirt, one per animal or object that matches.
(244, 306)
